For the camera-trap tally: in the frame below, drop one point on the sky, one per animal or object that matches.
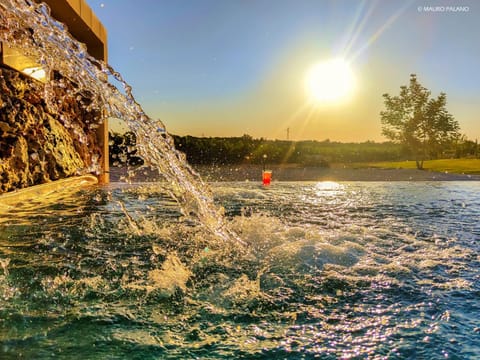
(235, 67)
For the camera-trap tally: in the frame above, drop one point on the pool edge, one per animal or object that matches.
(29, 193)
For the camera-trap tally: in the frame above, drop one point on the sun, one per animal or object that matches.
(330, 82)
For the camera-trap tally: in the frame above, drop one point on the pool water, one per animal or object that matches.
(360, 270)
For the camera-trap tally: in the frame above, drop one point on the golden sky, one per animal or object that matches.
(228, 68)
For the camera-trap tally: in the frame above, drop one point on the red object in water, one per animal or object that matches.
(266, 177)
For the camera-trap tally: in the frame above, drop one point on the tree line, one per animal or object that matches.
(249, 150)
(418, 126)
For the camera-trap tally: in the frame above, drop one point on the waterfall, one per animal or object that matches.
(28, 26)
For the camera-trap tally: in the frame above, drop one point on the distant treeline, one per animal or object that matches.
(122, 149)
(247, 150)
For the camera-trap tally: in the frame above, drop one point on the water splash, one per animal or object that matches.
(28, 26)
(351, 286)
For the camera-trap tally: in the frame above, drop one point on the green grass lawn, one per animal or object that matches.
(457, 166)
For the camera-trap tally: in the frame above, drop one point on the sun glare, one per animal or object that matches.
(330, 82)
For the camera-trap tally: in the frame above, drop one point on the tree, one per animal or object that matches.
(123, 149)
(420, 123)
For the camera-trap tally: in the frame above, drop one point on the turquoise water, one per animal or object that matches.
(330, 270)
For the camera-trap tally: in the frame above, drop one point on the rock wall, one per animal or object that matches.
(41, 141)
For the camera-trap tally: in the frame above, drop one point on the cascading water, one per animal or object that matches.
(29, 27)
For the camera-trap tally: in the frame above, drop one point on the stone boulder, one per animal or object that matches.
(39, 143)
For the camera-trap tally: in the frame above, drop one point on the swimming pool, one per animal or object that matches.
(331, 270)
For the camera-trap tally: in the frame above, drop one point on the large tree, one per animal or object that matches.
(419, 122)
